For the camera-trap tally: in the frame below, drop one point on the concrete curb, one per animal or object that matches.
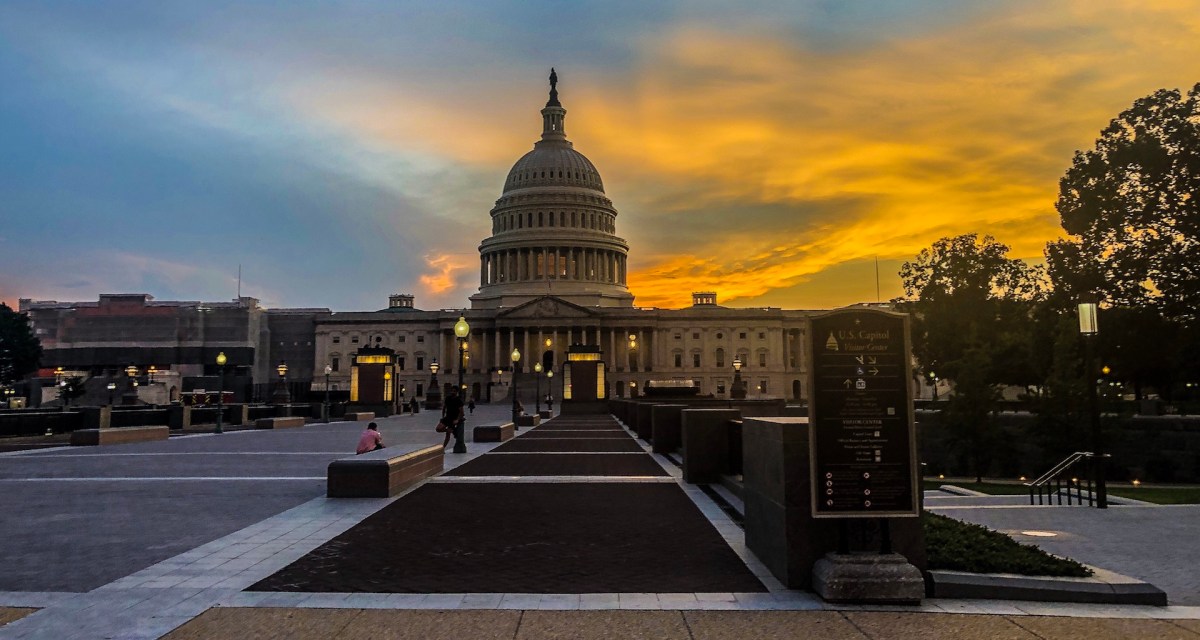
(1104, 587)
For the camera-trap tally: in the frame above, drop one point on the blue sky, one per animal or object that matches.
(343, 151)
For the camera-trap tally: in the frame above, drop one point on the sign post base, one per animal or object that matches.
(868, 578)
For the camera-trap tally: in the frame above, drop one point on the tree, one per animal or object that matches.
(20, 350)
(1132, 209)
(966, 292)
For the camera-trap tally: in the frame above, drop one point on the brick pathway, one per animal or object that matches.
(553, 536)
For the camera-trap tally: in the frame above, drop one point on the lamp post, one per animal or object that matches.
(516, 357)
(632, 352)
(112, 386)
(537, 375)
(131, 371)
(550, 391)
(462, 331)
(328, 370)
(737, 390)
(433, 398)
(933, 380)
(1089, 328)
(221, 360)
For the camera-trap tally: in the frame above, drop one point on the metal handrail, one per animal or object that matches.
(1055, 476)
(1060, 467)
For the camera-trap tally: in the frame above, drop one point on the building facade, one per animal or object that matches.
(173, 345)
(553, 274)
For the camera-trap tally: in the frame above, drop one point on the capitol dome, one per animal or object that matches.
(551, 166)
(553, 229)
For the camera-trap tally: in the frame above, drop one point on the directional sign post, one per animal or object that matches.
(863, 449)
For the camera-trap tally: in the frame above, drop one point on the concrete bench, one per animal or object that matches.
(359, 416)
(493, 432)
(384, 472)
(118, 435)
(279, 423)
(526, 420)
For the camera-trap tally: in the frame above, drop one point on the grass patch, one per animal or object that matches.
(1159, 495)
(954, 545)
(990, 488)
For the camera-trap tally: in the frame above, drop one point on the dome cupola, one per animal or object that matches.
(553, 229)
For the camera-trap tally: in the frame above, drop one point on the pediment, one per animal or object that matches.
(548, 308)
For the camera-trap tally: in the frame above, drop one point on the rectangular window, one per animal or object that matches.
(678, 360)
(334, 363)
(337, 339)
(762, 359)
(420, 339)
(679, 336)
(420, 365)
(695, 336)
(720, 388)
(741, 336)
(420, 389)
(762, 386)
(354, 340)
(401, 338)
(762, 336)
(400, 362)
(696, 360)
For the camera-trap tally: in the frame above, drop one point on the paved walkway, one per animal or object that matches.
(188, 570)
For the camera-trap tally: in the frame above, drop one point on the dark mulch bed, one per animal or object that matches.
(537, 464)
(526, 538)
(577, 426)
(575, 433)
(533, 445)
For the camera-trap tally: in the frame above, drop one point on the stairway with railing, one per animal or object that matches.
(1068, 478)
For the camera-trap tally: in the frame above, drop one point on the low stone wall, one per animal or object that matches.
(492, 432)
(279, 423)
(121, 435)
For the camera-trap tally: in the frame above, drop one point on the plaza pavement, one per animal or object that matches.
(135, 541)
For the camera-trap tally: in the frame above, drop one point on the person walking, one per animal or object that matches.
(452, 415)
(370, 440)
(471, 405)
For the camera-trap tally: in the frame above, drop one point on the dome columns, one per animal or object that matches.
(576, 264)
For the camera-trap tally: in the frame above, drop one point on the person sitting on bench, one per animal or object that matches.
(370, 440)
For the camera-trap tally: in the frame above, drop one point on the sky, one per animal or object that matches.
(773, 152)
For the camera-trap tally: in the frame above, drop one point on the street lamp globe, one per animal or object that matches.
(461, 328)
(328, 369)
(282, 369)
(434, 366)
(537, 367)
(737, 363)
(221, 359)
(130, 371)
(516, 356)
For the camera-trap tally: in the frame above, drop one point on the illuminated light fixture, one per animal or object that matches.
(1039, 534)
(1088, 324)
(282, 369)
(434, 366)
(1136, 483)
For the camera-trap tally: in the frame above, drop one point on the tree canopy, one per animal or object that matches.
(20, 350)
(965, 292)
(1132, 208)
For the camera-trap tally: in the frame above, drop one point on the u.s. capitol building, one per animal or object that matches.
(553, 274)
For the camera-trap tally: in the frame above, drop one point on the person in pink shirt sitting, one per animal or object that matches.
(370, 440)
